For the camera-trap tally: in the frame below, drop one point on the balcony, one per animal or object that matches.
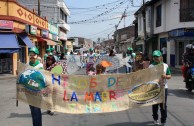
(62, 5)
(187, 15)
(63, 25)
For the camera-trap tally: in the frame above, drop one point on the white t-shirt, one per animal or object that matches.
(164, 50)
(91, 57)
(165, 71)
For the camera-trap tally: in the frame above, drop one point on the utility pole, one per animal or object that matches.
(38, 7)
(116, 42)
(124, 16)
(144, 27)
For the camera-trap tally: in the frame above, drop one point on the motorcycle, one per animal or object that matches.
(190, 79)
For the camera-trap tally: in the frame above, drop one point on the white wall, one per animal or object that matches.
(140, 25)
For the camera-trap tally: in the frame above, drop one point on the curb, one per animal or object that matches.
(8, 77)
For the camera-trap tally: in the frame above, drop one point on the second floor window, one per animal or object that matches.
(158, 15)
(63, 16)
(186, 10)
(149, 18)
(139, 22)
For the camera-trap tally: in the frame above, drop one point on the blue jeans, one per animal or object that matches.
(163, 109)
(128, 69)
(36, 116)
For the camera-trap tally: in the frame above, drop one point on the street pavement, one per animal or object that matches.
(180, 110)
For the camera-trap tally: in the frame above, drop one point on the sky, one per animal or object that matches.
(93, 19)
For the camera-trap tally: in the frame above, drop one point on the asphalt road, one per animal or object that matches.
(180, 110)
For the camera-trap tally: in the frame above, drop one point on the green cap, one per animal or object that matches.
(157, 53)
(48, 50)
(52, 49)
(34, 49)
(66, 48)
(91, 49)
(130, 49)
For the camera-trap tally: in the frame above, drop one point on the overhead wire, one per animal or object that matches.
(99, 15)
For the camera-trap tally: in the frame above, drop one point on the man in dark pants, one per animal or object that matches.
(157, 58)
(35, 111)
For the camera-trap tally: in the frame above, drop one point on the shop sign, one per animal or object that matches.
(60, 43)
(54, 37)
(176, 33)
(45, 33)
(53, 29)
(189, 32)
(4, 24)
(50, 36)
(62, 35)
(33, 30)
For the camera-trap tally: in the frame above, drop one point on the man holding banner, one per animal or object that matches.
(35, 111)
(157, 58)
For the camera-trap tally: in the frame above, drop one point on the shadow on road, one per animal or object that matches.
(150, 123)
(26, 115)
(183, 93)
(17, 115)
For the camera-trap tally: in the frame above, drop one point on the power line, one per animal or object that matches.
(103, 5)
(100, 32)
(99, 15)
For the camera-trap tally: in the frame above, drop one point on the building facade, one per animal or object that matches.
(170, 23)
(20, 29)
(124, 37)
(56, 12)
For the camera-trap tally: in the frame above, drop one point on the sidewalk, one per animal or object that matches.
(6, 76)
(175, 70)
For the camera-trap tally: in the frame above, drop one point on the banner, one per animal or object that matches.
(78, 94)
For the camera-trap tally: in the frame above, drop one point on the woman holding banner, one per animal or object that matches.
(34, 62)
(157, 58)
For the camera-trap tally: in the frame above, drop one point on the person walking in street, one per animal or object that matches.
(48, 52)
(66, 51)
(158, 59)
(130, 60)
(34, 62)
(164, 52)
(91, 59)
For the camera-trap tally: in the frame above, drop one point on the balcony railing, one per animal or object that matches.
(187, 15)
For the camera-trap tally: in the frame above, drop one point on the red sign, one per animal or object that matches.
(4, 24)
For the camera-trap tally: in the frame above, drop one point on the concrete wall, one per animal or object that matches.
(48, 8)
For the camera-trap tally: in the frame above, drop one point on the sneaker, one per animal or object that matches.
(163, 124)
(156, 122)
(50, 112)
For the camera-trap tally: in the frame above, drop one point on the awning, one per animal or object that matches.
(49, 42)
(26, 40)
(8, 41)
(8, 50)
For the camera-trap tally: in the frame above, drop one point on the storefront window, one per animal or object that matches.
(5, 63)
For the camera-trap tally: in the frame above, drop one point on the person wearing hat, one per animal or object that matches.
(66, 51)
(52, 49)
(158, 59)
(59, 54)
(35, 63)
(48, 52)
(130, 60)
(91, 59)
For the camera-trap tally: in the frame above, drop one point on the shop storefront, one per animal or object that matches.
(178, 39)
(9, 48)
(14, 38)
(62, 39)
